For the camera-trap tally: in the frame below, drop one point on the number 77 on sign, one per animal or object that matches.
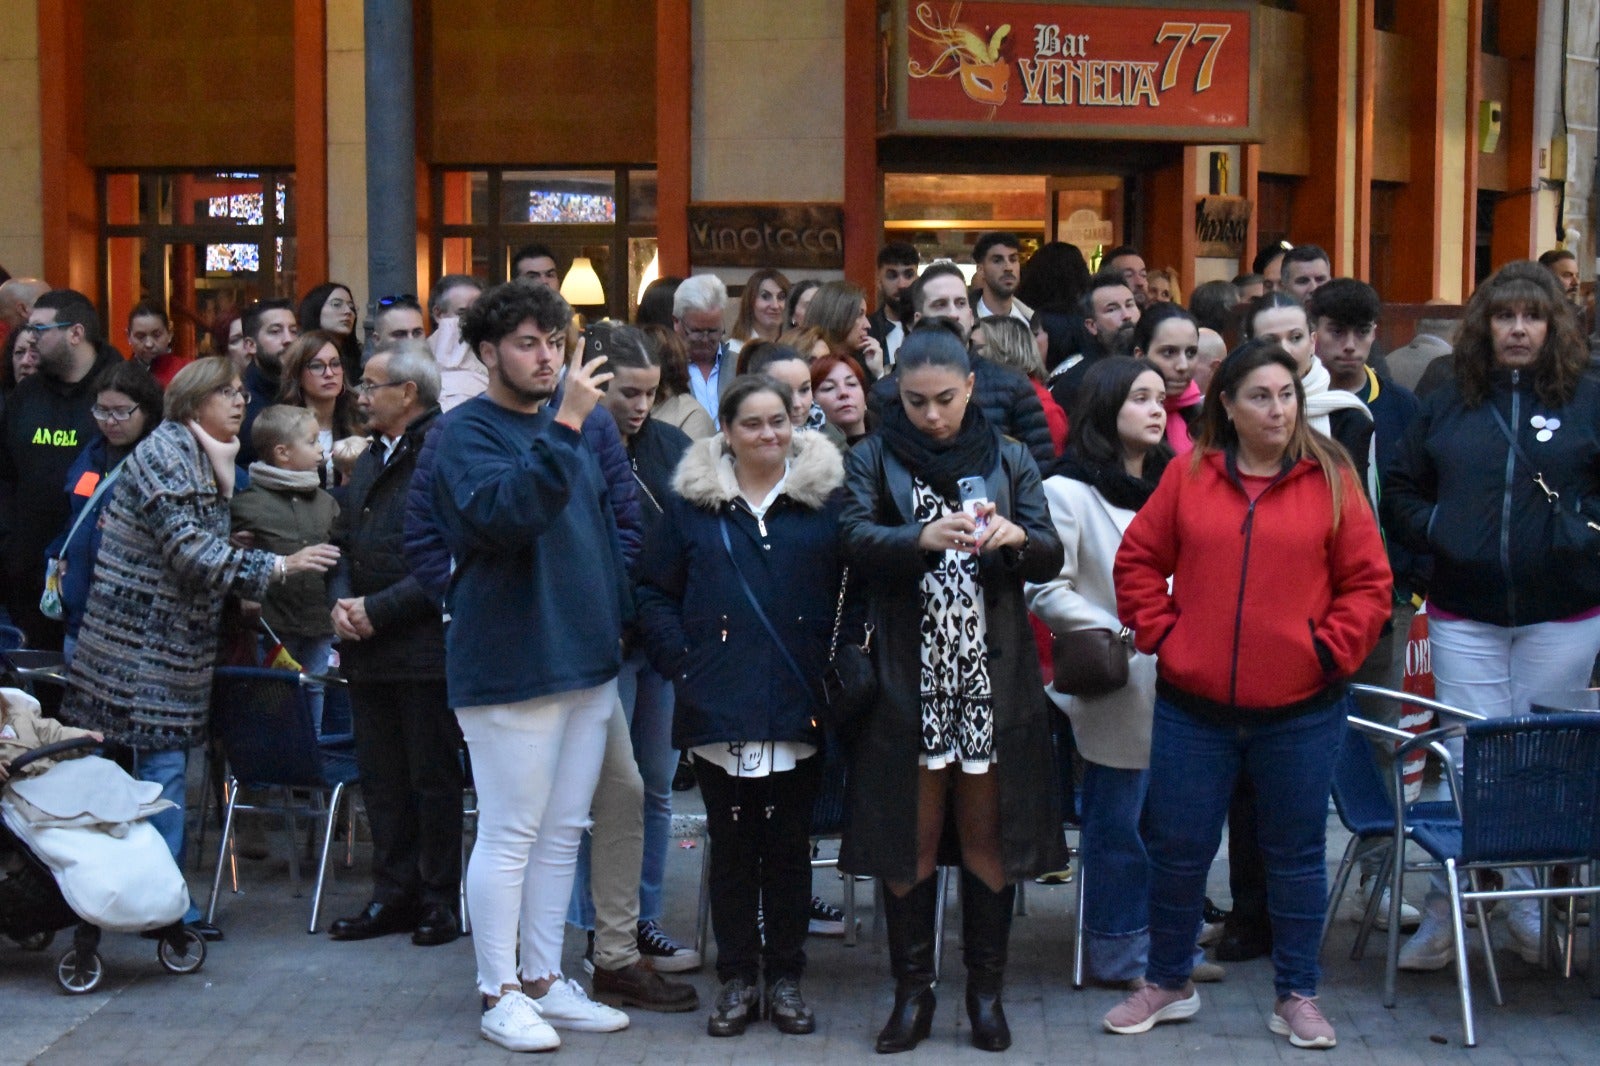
(1183, 34)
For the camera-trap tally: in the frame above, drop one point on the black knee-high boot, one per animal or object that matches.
(985, 935)
(910, 920)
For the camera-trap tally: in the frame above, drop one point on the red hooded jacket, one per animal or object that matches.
(1269, 606)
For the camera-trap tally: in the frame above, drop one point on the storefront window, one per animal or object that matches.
(199, 243)
(942, 215)
(608, 215)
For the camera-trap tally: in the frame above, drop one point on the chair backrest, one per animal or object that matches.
(263, 720)
(1530, 788)
(1360, 794)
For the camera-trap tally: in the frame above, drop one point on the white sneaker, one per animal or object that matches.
(567, 1006)
(1431, 947)
(1410, 917)
(514, 1023)
(1523, 924)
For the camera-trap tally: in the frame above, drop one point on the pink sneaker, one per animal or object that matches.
(1150, 1006)
(1299, 1018)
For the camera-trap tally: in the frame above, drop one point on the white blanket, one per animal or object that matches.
(87, 824)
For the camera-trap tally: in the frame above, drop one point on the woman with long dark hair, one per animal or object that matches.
(1513, 609)
(1257, 571)
(1053, 280)
(1115, 454)
(945, 519)
(839, 309)
(314, 377)
(1169, 338)
(331, 308)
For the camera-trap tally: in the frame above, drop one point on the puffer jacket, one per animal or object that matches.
(1458, 491)
(1269, 608)
(408, 625)
(697, 624)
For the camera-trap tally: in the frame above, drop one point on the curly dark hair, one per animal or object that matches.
(1560, 363)
(503, 308)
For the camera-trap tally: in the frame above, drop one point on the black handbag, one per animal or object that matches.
(850, 683)
(1091, 662)
(1574, 531)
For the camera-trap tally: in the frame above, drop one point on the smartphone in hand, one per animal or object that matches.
(975, 501)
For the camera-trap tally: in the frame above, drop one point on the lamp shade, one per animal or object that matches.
(581, 286)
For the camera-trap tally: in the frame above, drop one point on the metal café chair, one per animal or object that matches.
(263, 721)
(1527, 793)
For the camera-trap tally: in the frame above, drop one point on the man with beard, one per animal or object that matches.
(1564, 265)
(1110, 313)
(939, 300)
(897, 269)
(45, 425)
(269, 328)
(999, 271)
(1126, 260)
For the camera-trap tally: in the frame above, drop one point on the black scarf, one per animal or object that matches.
(1120, 488)
(940, 464)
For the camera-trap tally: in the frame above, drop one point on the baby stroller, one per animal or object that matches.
(93, 868)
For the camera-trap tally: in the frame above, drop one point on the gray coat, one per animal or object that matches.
(142, 671)
(1114, 729)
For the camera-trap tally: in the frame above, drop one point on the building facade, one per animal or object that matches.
(206, 154)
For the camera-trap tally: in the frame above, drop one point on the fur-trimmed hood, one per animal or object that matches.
(705, 476)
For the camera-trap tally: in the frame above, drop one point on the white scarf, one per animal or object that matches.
(1322, 399)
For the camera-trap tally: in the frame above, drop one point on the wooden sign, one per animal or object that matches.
(1221, 224)
(787, 236)
(1116, 69)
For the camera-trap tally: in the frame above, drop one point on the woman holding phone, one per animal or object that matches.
(945, 519)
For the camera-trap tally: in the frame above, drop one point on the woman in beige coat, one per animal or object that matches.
(1114, 457)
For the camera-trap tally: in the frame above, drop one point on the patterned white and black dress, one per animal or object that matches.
(957, 702)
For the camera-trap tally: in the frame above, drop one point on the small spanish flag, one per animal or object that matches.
(277, 656)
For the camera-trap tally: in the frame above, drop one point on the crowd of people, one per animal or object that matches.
(555, 558)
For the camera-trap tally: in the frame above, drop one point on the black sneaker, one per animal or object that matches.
(665, 954)
(737, 1003)
(826, 920)
(788, 1009)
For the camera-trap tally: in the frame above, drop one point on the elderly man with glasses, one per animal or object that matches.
(698, 315)
(45, 424)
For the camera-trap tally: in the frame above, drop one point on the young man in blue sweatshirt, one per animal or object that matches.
(537, 604)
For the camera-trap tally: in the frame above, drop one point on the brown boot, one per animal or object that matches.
(638, 985)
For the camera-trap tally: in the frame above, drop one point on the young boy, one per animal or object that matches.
(22, 729)
(285, 509)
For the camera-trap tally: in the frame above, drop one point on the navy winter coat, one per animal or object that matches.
(698, 626)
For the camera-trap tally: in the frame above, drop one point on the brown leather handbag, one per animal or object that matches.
(1091, 662)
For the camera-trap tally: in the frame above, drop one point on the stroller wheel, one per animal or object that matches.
(36, 941)
(182, 952)
(78, 974)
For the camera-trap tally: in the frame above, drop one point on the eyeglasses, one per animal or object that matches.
(368, 387)
(704, 334)
(231, 393)
(112, 414)
(320, 367)
(39, 329)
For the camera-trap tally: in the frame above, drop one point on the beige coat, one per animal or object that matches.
(1114, 729)
(23, 728)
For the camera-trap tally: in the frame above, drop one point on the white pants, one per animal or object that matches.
(1497, 670)
(535, 765)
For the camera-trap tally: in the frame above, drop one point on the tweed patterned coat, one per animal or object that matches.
(142, 670)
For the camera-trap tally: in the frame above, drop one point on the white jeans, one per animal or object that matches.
(535, 765)
(1497, 670)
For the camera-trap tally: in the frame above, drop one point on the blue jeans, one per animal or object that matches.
(647, 700)
(1116, 872)
(1193, 767)
(169, 769)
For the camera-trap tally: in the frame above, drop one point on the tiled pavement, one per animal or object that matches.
(271, 993)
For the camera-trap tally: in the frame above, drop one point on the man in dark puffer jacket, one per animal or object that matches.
(939, 300)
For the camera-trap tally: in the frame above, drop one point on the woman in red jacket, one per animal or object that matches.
(1278, 589)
